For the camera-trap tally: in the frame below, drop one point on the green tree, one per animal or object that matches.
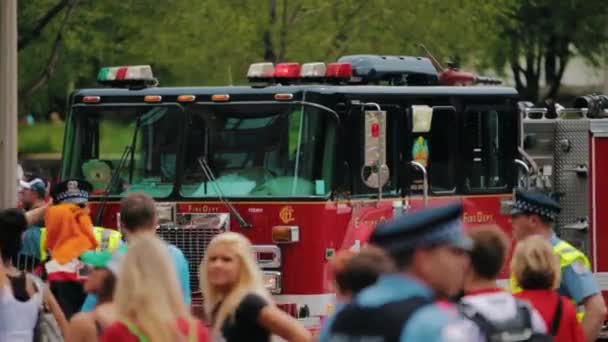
(539, 37)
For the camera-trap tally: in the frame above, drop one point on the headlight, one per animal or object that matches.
(267, 256)
(272, 281)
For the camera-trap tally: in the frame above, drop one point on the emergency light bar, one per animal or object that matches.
(284, 72)
(127, 76)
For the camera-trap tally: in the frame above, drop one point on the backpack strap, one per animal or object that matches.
(485, 326)
(557, 316)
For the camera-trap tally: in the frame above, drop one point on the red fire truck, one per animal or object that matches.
(307, 159)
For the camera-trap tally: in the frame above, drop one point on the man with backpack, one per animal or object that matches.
(429, 249)
(494, 314)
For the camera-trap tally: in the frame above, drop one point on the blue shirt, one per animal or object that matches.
(31, 242)
(181, 266)
(428, 323)
(577, 280)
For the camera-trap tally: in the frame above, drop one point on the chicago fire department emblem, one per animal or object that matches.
(420, 151)
(286, 214)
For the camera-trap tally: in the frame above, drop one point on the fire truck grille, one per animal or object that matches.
(193, 242)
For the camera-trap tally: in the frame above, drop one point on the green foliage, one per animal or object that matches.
(41, 138)
(540, 37)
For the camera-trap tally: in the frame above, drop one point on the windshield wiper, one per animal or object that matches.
(129, 151)
(202, 161)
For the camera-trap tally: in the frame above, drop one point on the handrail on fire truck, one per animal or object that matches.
(526, 168)
(425, 181)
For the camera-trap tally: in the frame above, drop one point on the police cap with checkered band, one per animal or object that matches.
(71, 191)
(535, 203)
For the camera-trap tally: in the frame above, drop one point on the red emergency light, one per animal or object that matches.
(375, 130)
(287, 70)
(339, 71)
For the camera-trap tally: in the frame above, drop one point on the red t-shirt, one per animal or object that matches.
(545, 302)
(118, 332)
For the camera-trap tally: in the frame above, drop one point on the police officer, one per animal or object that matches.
(77, 191)
(429, 249)
(535, 213)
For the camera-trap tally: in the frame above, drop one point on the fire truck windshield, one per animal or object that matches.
(121, 149)
(260, 150)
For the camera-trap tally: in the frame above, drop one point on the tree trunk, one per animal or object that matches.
(27, 92)
(269, 54)
(283, 31)
(557, 80)
(26, 39)
(550, 61)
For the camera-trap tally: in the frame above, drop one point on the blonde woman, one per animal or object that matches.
(537, 270)
(148, 301)
(236, 302)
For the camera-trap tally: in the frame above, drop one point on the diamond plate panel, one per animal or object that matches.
(572, 187)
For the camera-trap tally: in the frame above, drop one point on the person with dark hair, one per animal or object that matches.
(21, 294)
(101, 281)
(138, 218)
(429, 250)
(492, 311)
(355, 271)
(534, 213)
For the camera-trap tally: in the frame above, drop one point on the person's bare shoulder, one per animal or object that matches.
(81, 328)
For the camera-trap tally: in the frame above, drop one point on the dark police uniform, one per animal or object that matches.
(577, 280)
(399, 307)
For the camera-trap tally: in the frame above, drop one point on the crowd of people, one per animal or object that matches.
(421, 277)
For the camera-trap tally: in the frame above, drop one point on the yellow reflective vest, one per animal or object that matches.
(567, 255)
(108, 240)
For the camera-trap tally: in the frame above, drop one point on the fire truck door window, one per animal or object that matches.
(260, 150)
(486, 150)
(103, 135)
(436, 150)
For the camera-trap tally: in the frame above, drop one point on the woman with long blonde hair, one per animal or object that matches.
(236, 302)
(148, 300)
(537, 270)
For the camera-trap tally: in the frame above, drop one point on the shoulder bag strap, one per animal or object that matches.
(557, 316)
(135, 330)
(193, 331)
